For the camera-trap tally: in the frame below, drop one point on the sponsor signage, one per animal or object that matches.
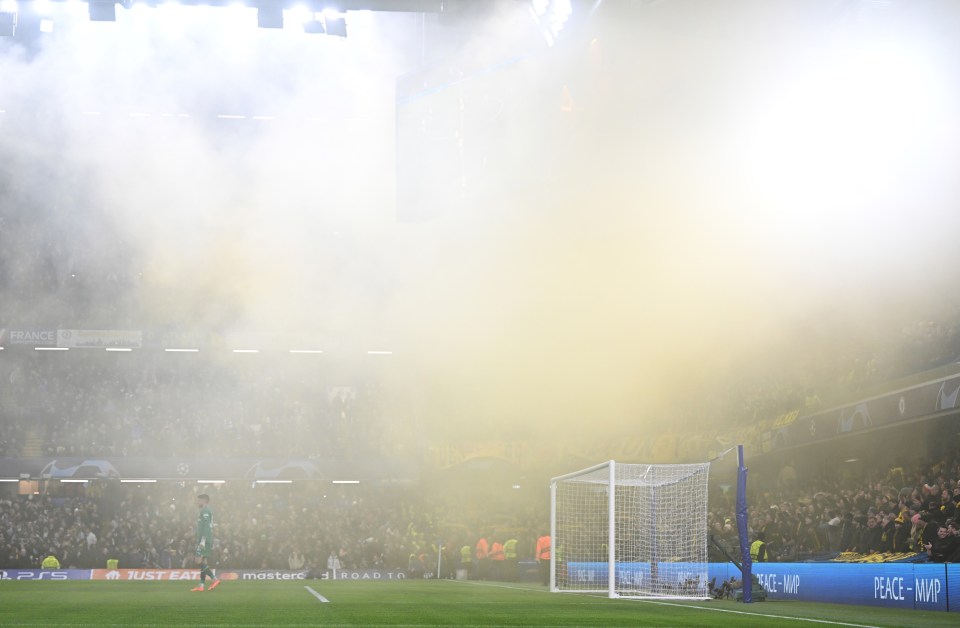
(363, 574)
(272, 575)
(926, 399)
(28, 337)
(99, 338)
(154, 574)
(339, 574)
(899, 585)
(680, 575)
(204, 468)
(44, 574)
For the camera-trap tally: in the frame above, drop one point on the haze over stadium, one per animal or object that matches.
(750, 182)
(662, 220)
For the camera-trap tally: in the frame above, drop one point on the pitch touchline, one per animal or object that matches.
(312, 625)
(316, 595)
(705, 608)
(729, 610)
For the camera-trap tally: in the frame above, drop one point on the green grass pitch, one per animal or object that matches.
(408, 604)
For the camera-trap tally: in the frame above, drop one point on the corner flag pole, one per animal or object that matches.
(745, 560)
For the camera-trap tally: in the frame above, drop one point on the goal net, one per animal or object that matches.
(631, 530)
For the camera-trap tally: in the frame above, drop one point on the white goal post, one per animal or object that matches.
(646, 538)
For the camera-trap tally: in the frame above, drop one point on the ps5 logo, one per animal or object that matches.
(33, 574)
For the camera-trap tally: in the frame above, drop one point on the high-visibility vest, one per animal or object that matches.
(497, 552)
(543, 547)
(466, 555)
(510, 549)
(483, 548)
(113, 563)
(50, 562)
(755, 550)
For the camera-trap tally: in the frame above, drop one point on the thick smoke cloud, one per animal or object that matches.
(720, 200)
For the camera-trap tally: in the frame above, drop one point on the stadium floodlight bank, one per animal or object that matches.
(646, 538)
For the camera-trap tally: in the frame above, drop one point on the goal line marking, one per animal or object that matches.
(315, 594)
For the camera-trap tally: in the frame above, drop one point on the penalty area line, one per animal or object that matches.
(315, 594)
(811, 620)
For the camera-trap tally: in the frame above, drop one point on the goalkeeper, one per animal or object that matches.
(205, 544)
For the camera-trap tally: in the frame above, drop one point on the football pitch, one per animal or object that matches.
(409, 604)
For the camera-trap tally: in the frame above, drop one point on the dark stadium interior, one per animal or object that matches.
(372, 292)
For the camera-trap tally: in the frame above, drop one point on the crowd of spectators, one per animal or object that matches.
(893, 510)
(264, 527)
(904, 512)
(150, 403)
(154, 404)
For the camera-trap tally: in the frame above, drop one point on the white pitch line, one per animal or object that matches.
(704, 608)
(316, 595)
(787, 617)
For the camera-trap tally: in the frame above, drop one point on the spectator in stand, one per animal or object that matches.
(871, 540)
(887, 529)
(929, 533)
(945, 545)
(953, 528)
(295, 560)
(900, 537)
(807, 539)
(830, 531)
(849, 533)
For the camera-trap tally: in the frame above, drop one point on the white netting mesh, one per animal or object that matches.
(659, 538)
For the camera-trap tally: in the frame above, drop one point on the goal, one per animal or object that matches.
(645, 538)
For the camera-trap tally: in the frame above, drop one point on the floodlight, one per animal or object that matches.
(550, 16)
(8, 24)
(8, 6)
(296, 16)
(46, 25)
(314, 27)
(335, 25)
(102, 10)
(270, 16)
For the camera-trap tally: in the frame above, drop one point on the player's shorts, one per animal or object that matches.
(203, 549)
